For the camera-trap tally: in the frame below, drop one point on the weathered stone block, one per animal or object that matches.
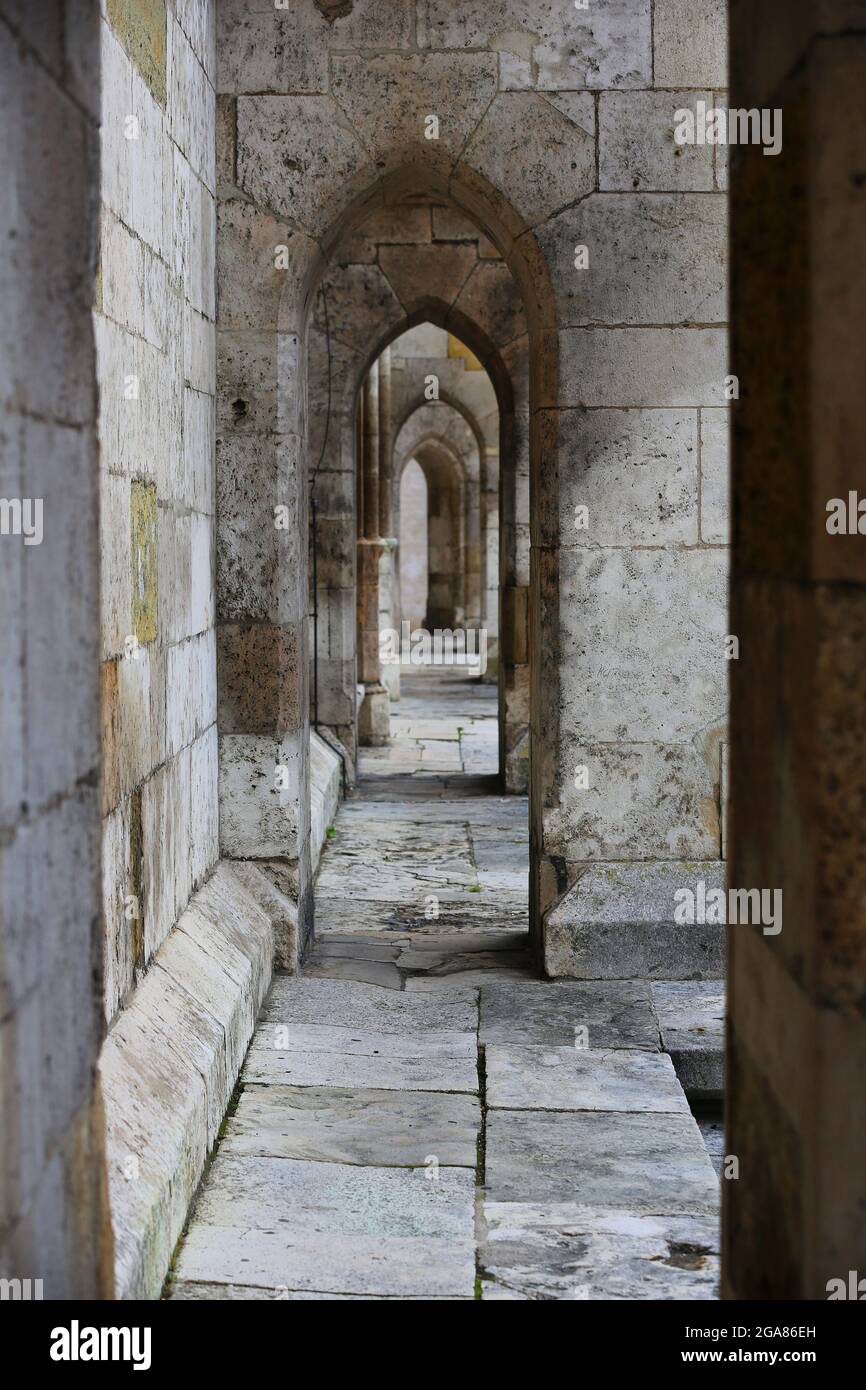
(263, 49)
(641, 366)
(601, 1159)
(646, 800)
(580, 1078)
(549, 45)
(257, 679)
(409, 269)
(691, 1017)
(191, 105)
(258, 563)
(255, 290)
(643, 651)
(511, 149)
(388, 98)
(634, 470)
(121, 266)
(192, 1018)
(150, 169)
(491, 300)
(636, 149)
(141, 27)
(715, 477)
(617, 922)
(258, 819)
(681, 235)
(318, 164)
(690, 43)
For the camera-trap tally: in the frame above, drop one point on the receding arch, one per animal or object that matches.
(311, 446)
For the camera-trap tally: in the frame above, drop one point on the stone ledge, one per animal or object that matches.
(617, 923)
(169, 1066)
(691, 1015)
(326, 789)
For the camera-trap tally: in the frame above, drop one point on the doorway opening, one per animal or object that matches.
(432, 835)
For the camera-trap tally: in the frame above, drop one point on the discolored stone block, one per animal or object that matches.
(550, 46)
(141, 27)
(257, 673)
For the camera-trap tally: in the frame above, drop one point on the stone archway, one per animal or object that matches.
(588, 384)
(247, 753)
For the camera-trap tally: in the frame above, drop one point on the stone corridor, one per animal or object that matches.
(330, 319)
(418, 1116)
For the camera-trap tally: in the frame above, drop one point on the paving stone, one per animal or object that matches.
(351, 1005)
(296, 1196)
(372, 972)
(634, 1162)
(187, 1291)
(400, 1266)
(614, 1014)
(469, 913)
(562, 1251)
(369, 1062)
(569, 1078)
(691, 1016)
(384, 1128)
(434, 984)
(358, 948)
(442, 963)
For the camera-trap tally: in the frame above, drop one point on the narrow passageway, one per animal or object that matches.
(418, 1115)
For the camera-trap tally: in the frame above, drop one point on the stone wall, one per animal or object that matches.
(555, 131)
(53, 1203)
(155, 345)
(796, 1218)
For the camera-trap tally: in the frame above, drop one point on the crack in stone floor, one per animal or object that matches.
(419, 1116)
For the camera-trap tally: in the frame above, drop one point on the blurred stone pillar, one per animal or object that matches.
(373, 715)
(388, 568)
(795, 1218)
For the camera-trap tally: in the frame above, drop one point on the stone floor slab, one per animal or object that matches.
(691, 1016)
(563, 1252)
(562, 1078)
(298, 1196)
(634, 1162)
(347, 1004)
(364, 1070)
(397, 1267)
(604, 1014)
(374, 1127)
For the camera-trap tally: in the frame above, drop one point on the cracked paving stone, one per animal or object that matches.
(561, 1251)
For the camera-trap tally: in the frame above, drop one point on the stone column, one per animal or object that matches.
(445, 551)
(796, 1216)
(373, 715)
(388, 597)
